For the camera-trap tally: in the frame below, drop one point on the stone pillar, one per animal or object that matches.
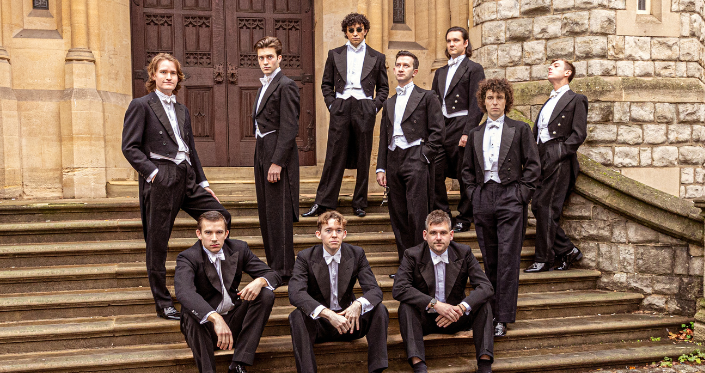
(442, 25)
(375, 15)
(699, 331)
(82, 122)
(10, 152)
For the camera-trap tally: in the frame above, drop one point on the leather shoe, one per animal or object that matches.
(570, 258)
(314, 211)
(461, 227)
(239, 368)
(359, 212)
(169, 313)
(500, 330)
(537, 267)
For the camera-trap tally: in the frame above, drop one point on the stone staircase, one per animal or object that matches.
(74, 297)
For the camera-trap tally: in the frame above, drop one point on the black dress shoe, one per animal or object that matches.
(169, 313)
(359, 212)
(537, 267)
(314, 211)
(239, 368)
(570, 258)
(461, 227)
(500, 330)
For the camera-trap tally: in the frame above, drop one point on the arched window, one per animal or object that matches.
(40, 4)
(399, 11)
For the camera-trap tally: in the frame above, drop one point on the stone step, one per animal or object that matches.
(95, 344)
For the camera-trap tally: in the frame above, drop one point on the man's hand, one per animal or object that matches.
(251, 291)
(352, 314)
(382, 179)
(225, 336)
(209, 190)
(443, 322)
(339, 322)
(274, 173)
(463, 141)
(451, 313)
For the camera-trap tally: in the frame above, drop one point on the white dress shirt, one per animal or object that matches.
(453, 64)
(265, 84)
(353, 87)
(439, 266)
(490, 148)
(547, 111)
(398, 139)
(333, 261)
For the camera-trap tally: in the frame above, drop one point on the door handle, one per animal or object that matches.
(218, 73)
(232, 74)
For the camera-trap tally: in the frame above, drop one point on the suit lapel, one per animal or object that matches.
(458, 74)
(341, 62)
(320, 271)
(452, 270)
(442, 76)
(270, 89)
(211, 272)
(180, 118)
(345, 268)
(254, 106)
(565, 99)
(391, 108)
(159, 111)
(367, 64)
(477, 143)
(427, 270)
(411, 105)
(228, 268)
(507, 138)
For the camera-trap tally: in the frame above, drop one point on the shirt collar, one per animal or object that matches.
(329, 258)
(456, 60)
(499, 121)
(272, 75)
(561, 89)
(405, 90)
(439, 258)
(164, 97)
(360, 48)
(212, 257)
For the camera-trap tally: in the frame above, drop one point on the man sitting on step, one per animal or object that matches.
(430, 286)
(321, 289)
(214, 312)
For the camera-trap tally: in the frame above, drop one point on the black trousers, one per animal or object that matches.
(276, 218)
(246, 323)
(408, 181)
(449, 163)
(352, 124)
(173, 188)
(415, 324)
(547, 204)
(500, 223)
(306, 331)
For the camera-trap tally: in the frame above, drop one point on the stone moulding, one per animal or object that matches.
(650, 207)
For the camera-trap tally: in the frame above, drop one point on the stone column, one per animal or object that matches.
(699, 330)
(375, 15)
(82, 121)
(10, 151)
(442, 25)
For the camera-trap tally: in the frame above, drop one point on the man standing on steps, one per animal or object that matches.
(275, 122)
(321, 289)
(158, 142)
(430, 286)
(500, 171)
(352, 75)
(215, 313)
(456, 85)
(560, 130)
(411, 134)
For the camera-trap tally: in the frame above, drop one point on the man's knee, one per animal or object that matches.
(296, 317)
(266, 297)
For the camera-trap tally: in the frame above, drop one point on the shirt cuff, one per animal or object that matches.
(206, 318)
(467, 308)
(204, 184)
(152, 175)
(314, 315)
(366, 306)
(379, 170)
(269, 286)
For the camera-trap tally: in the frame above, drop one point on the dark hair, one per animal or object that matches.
(568, 66)
(335, 215)
(269, 42)
(437, 217)
(151, 85)
(353, 19)
(466, 36)
(211, 216)
(498, 86)
(408, 54)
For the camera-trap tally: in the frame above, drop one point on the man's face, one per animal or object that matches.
(332, 235)
(455, 44)
(557, 71)
(404, 69)
(268, 60)
(166, 77)
(438, 237)
(495, 102)
(212, 235)
(355, 34)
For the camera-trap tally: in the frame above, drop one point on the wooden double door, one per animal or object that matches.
(214, 41)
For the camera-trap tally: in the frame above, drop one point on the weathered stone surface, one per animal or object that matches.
(494, 73)
(695, 268)
(690, 113)
(621, 112)
(539, 72)
(615, 46)
(590, 255)
(654, 260)
(601, 213)
(693, 191)
(580, 69)
(642, 111)
(602, 155)
(619, 231)
(698, 133)
(664, 156)
(507, 9)
(602, 21)
(629, 135)
(700, 175)
(563, 5)
(533, 7)
(681, 69)
(518, 73)
(681, 260)
(509, 54)
(487, 56)
(589, 229)
(665, 113)
(687, 175)
(613, 281)
(643, 68)
(664, 48)
(637, 48)
(485, 12)
(645, 156)
(547, 27)
(608, 257)
(654, 133)
(689, 49)
(691, 288)
(493, 33)
(617, 4)
(577, 212)
(655, 302)
(559, 48)
(534, 52)
(602, 68)
(666, 69)
(688, 5)
(694, 70)
(685, 24)
(637, 233)
(575, 23)
(625, 68)
(599, 112)
(695, 250)
(642, 283)
(678, 133)
(587, 47)
(667, 285)
(626, 156)
(519, 29)
(589, 4)
(691, 155)
(597, 133)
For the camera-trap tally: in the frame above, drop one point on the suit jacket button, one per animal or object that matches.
(167, 153)
(457, 96)
(453, 107)
(554, 132)
(559, 124)
(562, 116)
(414, 120)
(164, 143)
(160, 132)
(456, 101)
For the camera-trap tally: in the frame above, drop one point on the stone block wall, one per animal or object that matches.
(633, 257)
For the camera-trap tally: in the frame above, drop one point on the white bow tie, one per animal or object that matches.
(492, 124)
(553, 94)
(402, 90)
(440, 258)
(452, 61)
(169, 99)
(264, 81)
(219, 255)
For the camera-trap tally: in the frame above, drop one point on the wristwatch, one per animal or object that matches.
(433, 304)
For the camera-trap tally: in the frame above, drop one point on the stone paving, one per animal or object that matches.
(675, 369)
